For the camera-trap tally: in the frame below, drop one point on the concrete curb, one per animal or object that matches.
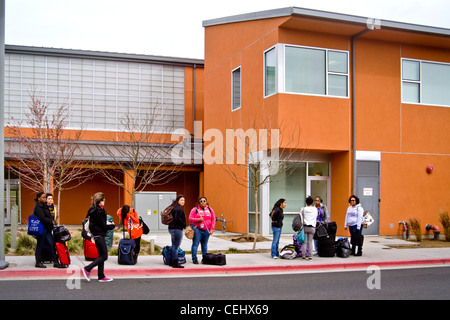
(167, 271)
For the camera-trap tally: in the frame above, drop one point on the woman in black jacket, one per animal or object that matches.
(42, 212)
(277, 217)
(176, 229)
(98, 228)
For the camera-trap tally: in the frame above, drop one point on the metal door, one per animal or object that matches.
(368, 191)
(149, 205)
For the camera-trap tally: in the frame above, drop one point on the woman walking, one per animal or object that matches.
(176, 229)
(277, 217)
(98, 227)
(203, 220)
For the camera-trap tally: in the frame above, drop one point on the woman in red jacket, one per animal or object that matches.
(130, 218)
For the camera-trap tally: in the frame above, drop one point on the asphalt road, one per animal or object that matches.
(414, 283)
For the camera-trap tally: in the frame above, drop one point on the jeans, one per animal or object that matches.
(100, 243)
(200, 236)
(275, 242)
(41, 240)
(176, 237)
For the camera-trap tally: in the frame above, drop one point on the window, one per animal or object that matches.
(425, 82)
(270, 72)
(236, 89)
(316, 71)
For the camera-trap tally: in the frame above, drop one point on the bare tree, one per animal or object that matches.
(141, 153)
(265, 150)
(43, 152)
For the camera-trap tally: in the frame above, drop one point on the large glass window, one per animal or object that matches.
(316, 71)
(425, 82)
(270, 72)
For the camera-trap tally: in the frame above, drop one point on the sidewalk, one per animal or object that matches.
(376, 252)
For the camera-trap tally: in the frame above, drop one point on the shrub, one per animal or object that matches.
(445, 221)
(25, 245)
(416, 228)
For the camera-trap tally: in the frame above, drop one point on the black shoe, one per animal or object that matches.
(176, 264)
(39, 263)
(195, 261)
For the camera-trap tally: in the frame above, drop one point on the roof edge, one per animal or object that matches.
(87, 54)
(296, 11)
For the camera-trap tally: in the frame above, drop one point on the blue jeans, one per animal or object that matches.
(200, 236)
(276, 241)
(176, 237)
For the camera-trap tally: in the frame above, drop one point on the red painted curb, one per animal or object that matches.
(51, 273)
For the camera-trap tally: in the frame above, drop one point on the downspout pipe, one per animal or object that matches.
(370, 28)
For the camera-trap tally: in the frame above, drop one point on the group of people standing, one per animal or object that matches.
(202, 220)
(314, 213)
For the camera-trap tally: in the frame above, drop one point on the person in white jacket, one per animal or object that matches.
(309, 221)
(353, 220)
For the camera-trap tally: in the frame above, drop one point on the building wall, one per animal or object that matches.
(408, 136)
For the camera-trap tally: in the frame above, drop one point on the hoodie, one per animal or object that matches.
(354, 216)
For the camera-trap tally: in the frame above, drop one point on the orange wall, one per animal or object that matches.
(409, 137)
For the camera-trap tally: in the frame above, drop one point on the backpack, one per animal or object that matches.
(297, 223)
(167, 216)
(85, 232)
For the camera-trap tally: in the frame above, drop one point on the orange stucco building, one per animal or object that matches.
(369, 98)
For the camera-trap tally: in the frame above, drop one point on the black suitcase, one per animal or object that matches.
(326, 246)
(214, 259)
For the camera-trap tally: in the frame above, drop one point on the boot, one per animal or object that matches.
(359, 252)
(176, 264)
(353, 250)
(57, 264)
(39, 263)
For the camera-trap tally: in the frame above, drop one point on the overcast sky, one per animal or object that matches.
(174, 27)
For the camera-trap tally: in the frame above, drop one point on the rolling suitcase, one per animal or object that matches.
(90, 250)
(63, 253)
(126, 251)
(326, 246)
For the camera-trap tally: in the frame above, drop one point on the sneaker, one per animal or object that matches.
(275, 257)
(86, 274)
(105, 279)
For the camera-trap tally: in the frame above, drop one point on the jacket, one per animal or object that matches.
(209, 218)
(354, 216)
(277, 217)
(179, 218)
(97, 221)
(42, 212)
(309, 216)
(132, 223)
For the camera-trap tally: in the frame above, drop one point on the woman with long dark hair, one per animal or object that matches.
(98, 227)
(176, 229)
(203, 220)
(277, 217)
(130, 218)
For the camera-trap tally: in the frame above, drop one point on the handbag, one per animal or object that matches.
(321, 231)
(145, 228)
(35, 226)
(189, 232)
(301, 236)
